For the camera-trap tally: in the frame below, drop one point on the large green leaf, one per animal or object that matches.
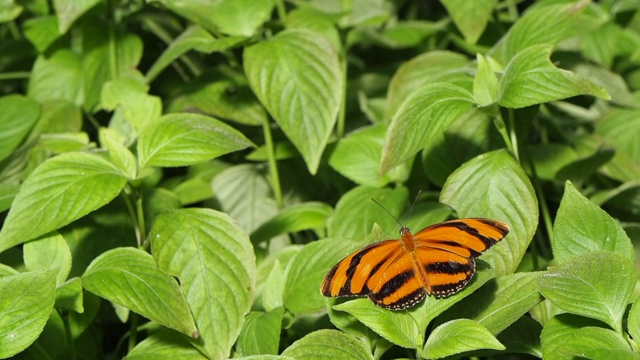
(597, 285)
(427, 68)
(187, 139)
(530, 78)
(325, 344)
(240, 17)
(311, 215)
(458, 336)
(566, 336)
(214, 260)
(260, 334)
(493, 185)
(244, 193)
(297, 77)
(49, 252)
(19, 114)
(165, 345)
(423, 116)
(545, 24)
(582, 227)
(61, 67)
(60, 190)
(26, 300)
(355, 213)
(130, 277)
(471, 17)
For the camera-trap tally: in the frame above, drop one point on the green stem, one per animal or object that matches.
(141, 232)
(343, 102)
(273, 165)
(282, 11)
(67, 332)
(133, 333)
(507, 136)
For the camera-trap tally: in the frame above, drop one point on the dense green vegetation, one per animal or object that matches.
(177, 177)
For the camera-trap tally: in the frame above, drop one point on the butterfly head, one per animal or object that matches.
(404, 230)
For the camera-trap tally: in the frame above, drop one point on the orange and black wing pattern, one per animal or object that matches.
(397, 274)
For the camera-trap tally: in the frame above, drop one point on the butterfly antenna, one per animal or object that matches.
(388, 212)
(413, 205)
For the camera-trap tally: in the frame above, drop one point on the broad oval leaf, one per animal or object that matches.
(49, 252)
(130, 277)
(310, 215)
(165, 345)
(324, 344)
(470, 17)
(26, 300)
(355, 213)
(240, 17)
(597, 285)
(567, 336)
(260, 334)
(297, 77)
(187, 139)
(59, 191)
(493, 185)
(19, 114)
(458, 336)
(357, 157)
(305, 272)
(499, 303)
(530, 78)
(214, 260)
(424, 115)
(48, 72)
(582, 227)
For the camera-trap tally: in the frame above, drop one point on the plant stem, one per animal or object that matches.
(67, 332)
(133, 332)
(282, 11)
(273, 165)
(343, 101)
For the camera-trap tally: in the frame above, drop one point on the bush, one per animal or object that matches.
(179, 177)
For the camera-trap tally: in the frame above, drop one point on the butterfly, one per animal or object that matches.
(396, 274)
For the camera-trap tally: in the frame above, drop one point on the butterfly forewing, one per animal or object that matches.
(470, 237)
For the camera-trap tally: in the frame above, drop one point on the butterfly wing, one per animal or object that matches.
(447, 250)
(382, 271)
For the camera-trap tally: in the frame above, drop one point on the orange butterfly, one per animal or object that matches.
(396, 274)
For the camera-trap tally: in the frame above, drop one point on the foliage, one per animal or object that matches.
(176, 178)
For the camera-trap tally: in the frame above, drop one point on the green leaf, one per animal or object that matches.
(493, 185)
(49, 252)
(498, 304)
(297, 77)
(425, 115)
(544, 24)
(311, 215)
(355, 213)
(70, 11)
(305, 272)
(59, 191)
(550, 158)
(324, 344)
(566, 336)
(193, 38)
(523, 337)
(26, 300)
(311, 19)
(582, 227)
(41, 31)
(214, 260)
(621, 128)
(187, 139)
(260, 334)
(357, 157)
(130, 277)
(120, 155)
(18, 116)
(273, 293)
(458, 336)
(69, 296)
(244, 193)
(165, 345)
(597, 285)
(471, 135)
(222, 92)
(633, 322)
(428, 68)
(61, 67)
(240, 17)
(485, 84)
(530, 78)
(131, 95)
(471, 17)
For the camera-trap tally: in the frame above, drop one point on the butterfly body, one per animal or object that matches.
(396, 274)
